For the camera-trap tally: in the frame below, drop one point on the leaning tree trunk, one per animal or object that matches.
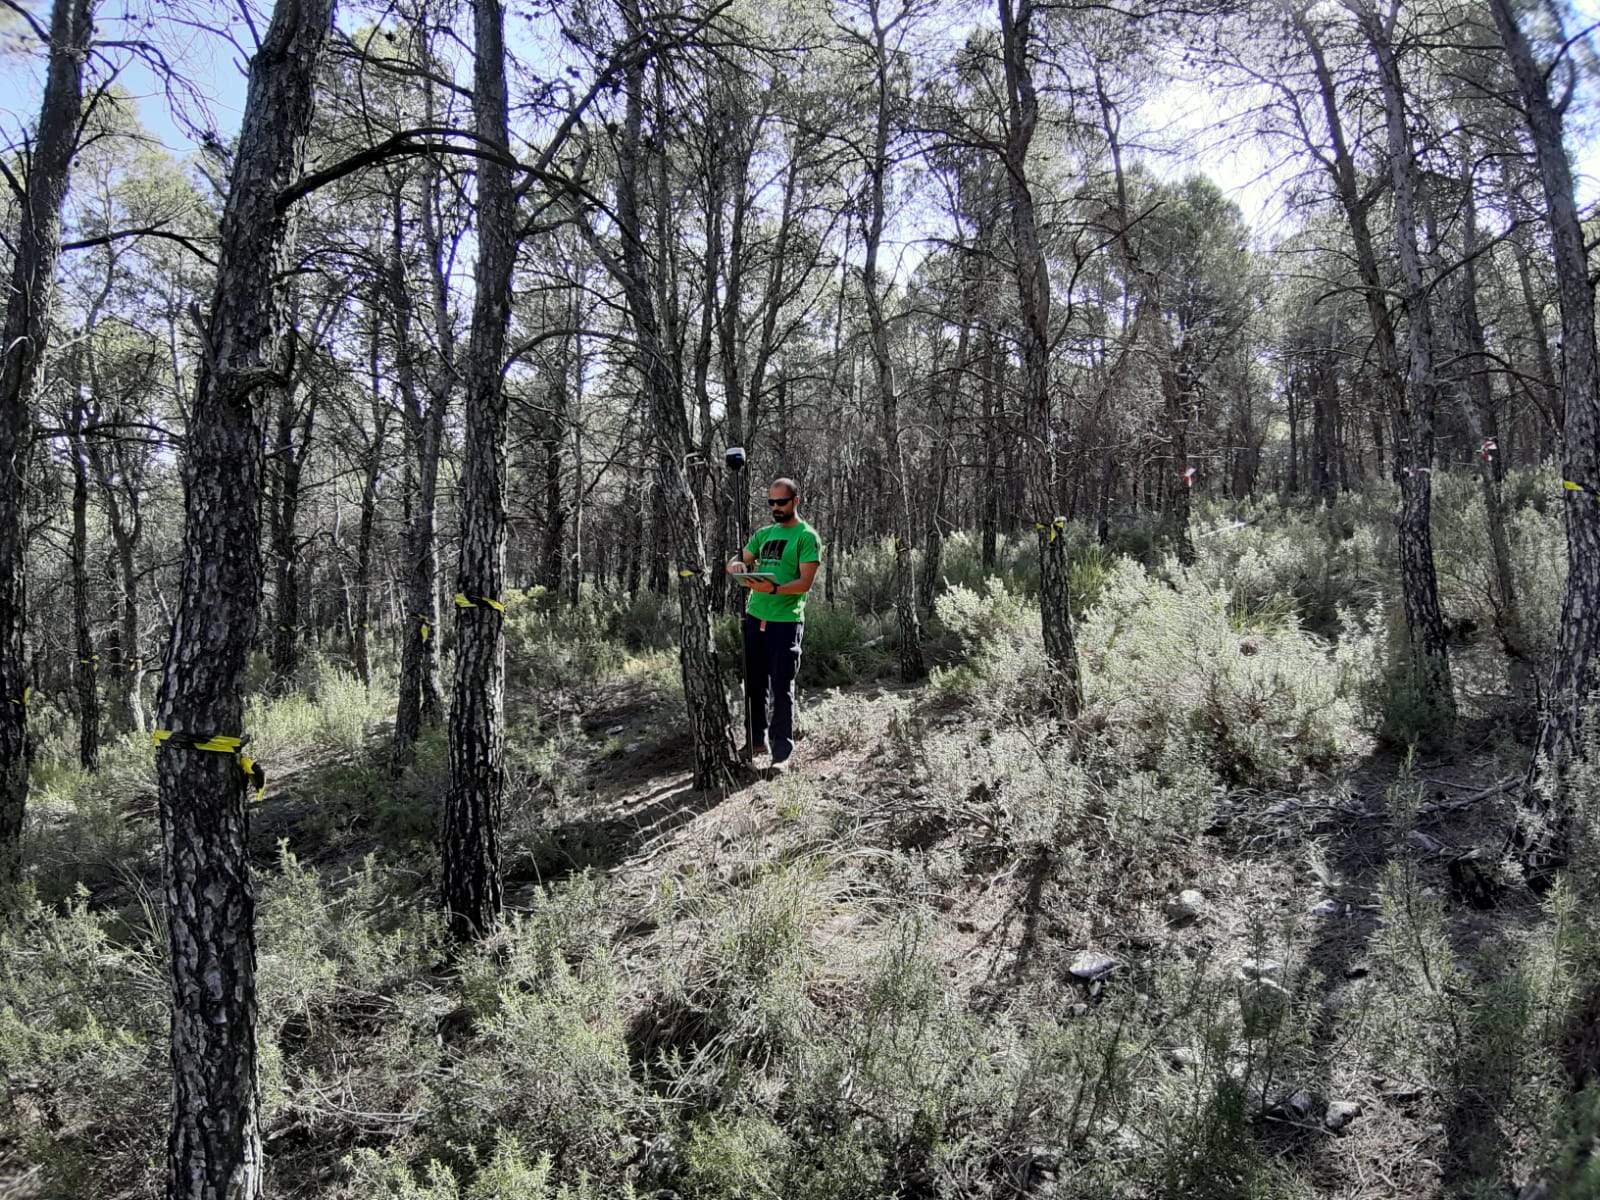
(1033, 291)
(36, 245)
(1539, 836)
(1411, 407)
(710, 725)
(471, 829)
(1419, 582)
(214, 1151)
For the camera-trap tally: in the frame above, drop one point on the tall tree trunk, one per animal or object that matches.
(361, 598)
(574, 576)
(638, 271)
(558, 509)
(1548, 393)
(129, 703)
(418, 702)
(37, 244)
(1323, 379)
(293, 444)
(1419, 583)
(1477, 404)
(1033, 291)
(214, 1152)
(86, 675)
(471, 828)
(1540, 835)
(897, 489)
(1411, 408)
(993, 416)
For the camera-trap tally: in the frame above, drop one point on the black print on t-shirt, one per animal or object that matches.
(772, 551)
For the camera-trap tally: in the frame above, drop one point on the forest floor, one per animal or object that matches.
(934, 938)
(1287, 898)
(1290, 888)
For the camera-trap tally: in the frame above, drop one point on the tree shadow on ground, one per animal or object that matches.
(1446, 1133)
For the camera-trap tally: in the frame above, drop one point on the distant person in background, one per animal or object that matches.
(778, 566)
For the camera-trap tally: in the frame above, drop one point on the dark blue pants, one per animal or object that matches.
(771, 661)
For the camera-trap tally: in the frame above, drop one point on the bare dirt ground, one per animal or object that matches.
(1290, 885)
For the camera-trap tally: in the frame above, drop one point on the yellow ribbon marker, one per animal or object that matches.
(465, 601)
(686, 573)
(27, 694)
(217, 743)
(1578, 487)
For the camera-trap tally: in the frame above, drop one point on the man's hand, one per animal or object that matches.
(735, 566)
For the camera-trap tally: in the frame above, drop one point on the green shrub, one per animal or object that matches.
(1315, 564)
(553, 648)
(336, 713)
(508, 1173)
(83, 1052)
(1169, 679)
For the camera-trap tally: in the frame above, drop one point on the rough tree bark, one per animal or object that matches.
(214, 1151)
(1477, 404)
(371, 475)
(1033, 291)
(897, 485)
(86, 672)
(119, 482)
(1413, 429)
(291, 446)
(1419, 583)
(37, 244)
(419, 687)
(470, 834)
(637, 271)
(1539, 836)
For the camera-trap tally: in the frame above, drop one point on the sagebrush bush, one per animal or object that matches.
(336, 713)
(1168, 676)
(1278, 563)
(553, 647)
(1170, 680)
(83, 1051)
(508, 1172)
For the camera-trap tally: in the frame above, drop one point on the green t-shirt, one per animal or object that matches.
(781, 549)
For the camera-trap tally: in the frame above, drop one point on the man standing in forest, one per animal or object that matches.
(778, 565)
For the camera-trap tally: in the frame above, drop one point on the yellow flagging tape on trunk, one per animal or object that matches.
(219, 743)
(465, 601)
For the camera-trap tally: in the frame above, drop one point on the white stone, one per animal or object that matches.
(1341, 1113)
(1188, 906)
(1091, 965)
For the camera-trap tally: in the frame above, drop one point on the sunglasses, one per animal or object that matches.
(781, 503)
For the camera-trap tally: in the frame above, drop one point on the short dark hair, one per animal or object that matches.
(786, 484)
